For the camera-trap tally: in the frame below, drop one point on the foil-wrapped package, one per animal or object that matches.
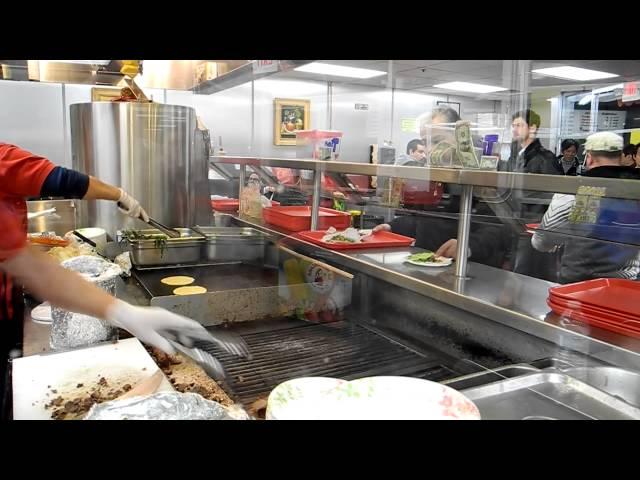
(164, 406)
(71, 330)
(124, 262)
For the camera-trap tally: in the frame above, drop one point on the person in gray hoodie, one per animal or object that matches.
(416, 154)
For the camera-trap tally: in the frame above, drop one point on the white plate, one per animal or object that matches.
(42, 313)
(431, 264)
(396, 398)
(300, 398)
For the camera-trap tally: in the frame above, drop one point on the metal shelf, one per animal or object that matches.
(615, 188)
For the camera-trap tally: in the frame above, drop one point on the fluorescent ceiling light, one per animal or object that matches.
(339, 70)
(573, 73)
(586, 99)
(600, 91)
(470, 87)
(610, 88)
(84, 62)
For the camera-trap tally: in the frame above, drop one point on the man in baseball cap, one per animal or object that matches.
(600, 234)
(604, 142)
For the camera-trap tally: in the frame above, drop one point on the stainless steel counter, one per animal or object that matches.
(511, 299)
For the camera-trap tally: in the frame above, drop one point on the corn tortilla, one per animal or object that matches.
(177, 280)
(189, 290)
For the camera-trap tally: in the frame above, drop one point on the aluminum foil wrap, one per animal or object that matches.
(124, 262)
(70, 330)
(164, 406)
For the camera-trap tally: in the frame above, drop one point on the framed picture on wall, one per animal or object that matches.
(102, 94)
(454, 105)
(290, 115)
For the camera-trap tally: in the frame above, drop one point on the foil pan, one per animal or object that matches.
(164, 406)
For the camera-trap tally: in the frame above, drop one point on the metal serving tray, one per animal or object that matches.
(183, 250)
(546, 395)
(232, 243)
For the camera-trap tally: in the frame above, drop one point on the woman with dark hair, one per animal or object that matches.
(630, 156)
(567, 163)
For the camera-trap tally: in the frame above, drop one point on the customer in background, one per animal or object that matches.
(527, 153)
(630, 156)
(528, 156)
(437, 231)
(567, 162)
(418, 194)
(488, 242)
(601, 236)
(437, 129)
(415, 156)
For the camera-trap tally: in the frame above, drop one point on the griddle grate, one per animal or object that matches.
(341, 350)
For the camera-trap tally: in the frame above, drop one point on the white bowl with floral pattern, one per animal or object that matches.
(396, 398)
(300, 398)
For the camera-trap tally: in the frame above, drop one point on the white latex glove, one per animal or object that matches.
(149, 324)
(129, 205)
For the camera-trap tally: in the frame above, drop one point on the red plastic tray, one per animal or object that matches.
(298, 218)
(629, 330)
(591, 310)
(377, 240)
(613, 294)
(633, 323)
(532, 227)
(227, 205)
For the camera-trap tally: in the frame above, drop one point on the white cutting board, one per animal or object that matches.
(35, 376)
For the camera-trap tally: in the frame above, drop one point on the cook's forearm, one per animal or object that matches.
(99, 190)
(47, 280)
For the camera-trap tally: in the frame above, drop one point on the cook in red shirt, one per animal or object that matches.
(24, 174)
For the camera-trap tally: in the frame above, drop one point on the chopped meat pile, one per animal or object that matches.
(76, 408)
(187, 376)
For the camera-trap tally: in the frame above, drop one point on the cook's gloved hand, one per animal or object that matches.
(129, 205)
(149, 325)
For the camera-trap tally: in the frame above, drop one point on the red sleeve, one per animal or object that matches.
(13, 238)
(22, 173)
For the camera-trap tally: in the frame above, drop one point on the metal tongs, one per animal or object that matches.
(163, 228)
(231, 343)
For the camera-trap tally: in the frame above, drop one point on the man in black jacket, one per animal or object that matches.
(528, 156)
(527, 153)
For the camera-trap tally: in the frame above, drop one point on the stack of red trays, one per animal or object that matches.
(608, 303)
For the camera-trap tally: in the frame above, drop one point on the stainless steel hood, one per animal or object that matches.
(243, 74)
(168, 74)
(92, 72)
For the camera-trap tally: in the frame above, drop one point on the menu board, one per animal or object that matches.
(580, 121)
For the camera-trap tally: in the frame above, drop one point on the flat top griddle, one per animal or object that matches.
(288, 348)
(214, 278)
